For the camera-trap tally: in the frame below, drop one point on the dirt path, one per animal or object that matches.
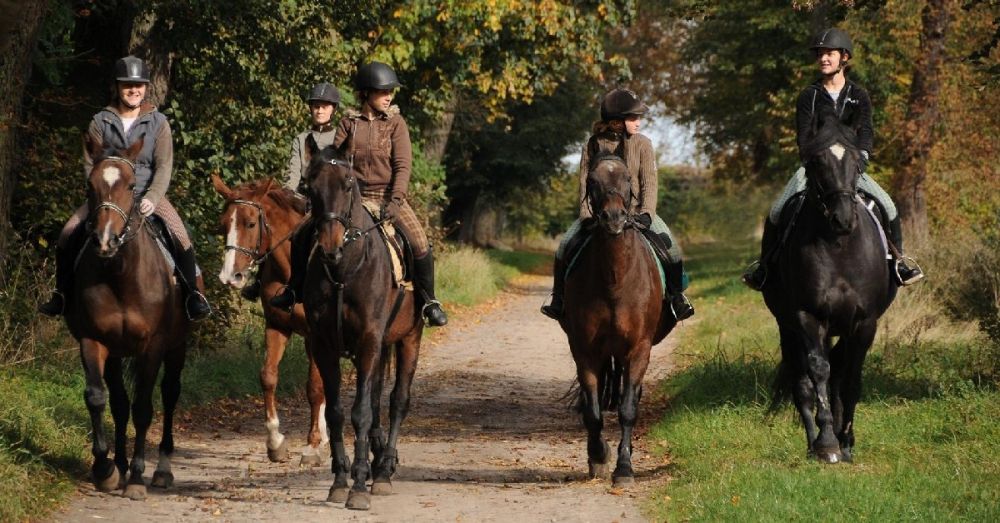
(487, 439)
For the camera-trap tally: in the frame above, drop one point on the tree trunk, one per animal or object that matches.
(436, 135)
(15, 70)
(141, 39)
(921, 129)
(482, 225)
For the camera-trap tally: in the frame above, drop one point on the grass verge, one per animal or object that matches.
(44, 426)
(927, 437)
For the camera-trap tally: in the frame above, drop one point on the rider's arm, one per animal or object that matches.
(804, 108)
(863, 119)
(402, 159)
(163, 164)
(584, 169)
(294, 165)
(647, 176)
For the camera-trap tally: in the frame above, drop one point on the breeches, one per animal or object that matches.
(797, 184)
(164, 210)
(408, 224)
(658, 226)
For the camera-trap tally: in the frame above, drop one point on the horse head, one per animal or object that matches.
(609, 191)
(245, 225)
(833, 167)
(111, 199)
(336, 195)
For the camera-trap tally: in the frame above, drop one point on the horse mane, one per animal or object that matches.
(267, 188)
(828, 130)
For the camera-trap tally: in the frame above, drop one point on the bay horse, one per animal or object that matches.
(356, 311)
(125, 303)
(832, 281)
(258, 220)
(614, 314)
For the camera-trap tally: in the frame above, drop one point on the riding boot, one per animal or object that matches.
(554, 309)
(755, 276)
(56, 306)
(423, 277)
(679, 303)
(195, 303)
(251, 292)
(905, 274)
(292, 292)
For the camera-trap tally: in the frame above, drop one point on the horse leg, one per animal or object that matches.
(407, 351)
(120, 414)
(598, 452)
(368, 364)
(311, 456)
(376, 436)
(628, 411)
(860, 342)
(147, 367)
(170, 392)
(328, 365)
(275, 340)
(794, 358)
(93, 356)
(825, 446)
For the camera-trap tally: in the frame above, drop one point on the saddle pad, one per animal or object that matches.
(659, 264)
(878, 225)
(387, 231)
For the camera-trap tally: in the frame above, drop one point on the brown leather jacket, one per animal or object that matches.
(639, 157)
(380, 148)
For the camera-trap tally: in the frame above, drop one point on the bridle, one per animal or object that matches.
(822, 195)
(127, 233)
(256, 257)
(627, 199)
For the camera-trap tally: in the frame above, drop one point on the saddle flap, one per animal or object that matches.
(388, 234)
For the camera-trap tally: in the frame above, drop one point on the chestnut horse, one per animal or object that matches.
(356, 311)
(258, 220)
(614, 314)
(126, 302)
(833, 281)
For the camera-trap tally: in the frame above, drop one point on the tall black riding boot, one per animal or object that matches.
(554, 309)
(423, 277)
(292, 293)
(679, 303)
(65, 258)
(755, 276)
(195, 303)
(905, 274)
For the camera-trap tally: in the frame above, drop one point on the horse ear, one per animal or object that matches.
(221, 187)
(312, 148)
(133, 150)
(269, 185)
(93, 147)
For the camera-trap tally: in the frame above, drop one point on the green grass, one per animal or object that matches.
(44, 425)
(927, 437)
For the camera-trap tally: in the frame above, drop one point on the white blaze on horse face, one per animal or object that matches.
(111, 174)
(229, 258)
(838, 150)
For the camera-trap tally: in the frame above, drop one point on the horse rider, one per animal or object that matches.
(376, 140)
(323, 101)
(833, 91)
(618, 130)
(119, 125)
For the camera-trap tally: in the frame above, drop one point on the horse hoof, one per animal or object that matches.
(338, 494)
(109, 483)
(135, 492)
(381, 488)
(359, 500)
(162, 479)
(599, 470)
(830, 457)
(279, 454)
(311, 460)
(622, 481)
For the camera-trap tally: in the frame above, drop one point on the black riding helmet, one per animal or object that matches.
(376, 76)
(131, 69)
(620, 103)
(324, 92)
(833, 38)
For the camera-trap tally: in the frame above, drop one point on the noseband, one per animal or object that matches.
(127, 233)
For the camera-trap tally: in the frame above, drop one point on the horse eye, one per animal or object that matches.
(131, 186)
(251, 225)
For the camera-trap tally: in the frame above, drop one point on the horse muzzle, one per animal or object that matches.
(107, 245)
(613, 220)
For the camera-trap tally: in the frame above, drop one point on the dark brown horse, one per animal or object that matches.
(614, 315)
(125, 303)
(257, 221)
(832, 281)
(355, 311)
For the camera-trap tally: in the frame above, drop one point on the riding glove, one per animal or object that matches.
(644, 219)
(391, 210)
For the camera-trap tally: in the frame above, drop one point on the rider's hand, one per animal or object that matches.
(644, 219)
(864, 160)
(391, 210)
(146, 207)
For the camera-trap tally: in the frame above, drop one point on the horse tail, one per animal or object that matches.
(782, 388)
(609, 386)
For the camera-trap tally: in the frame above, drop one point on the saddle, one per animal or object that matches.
(790, 213)
(657, 248)
(399, 248)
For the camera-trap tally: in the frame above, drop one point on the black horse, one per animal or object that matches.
(832, 281)
(355, 311)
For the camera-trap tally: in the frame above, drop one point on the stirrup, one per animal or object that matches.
(549, 309)
(197, 295)
(426, 315)
(278, 300)
(747, 277)
(916, 271)
(684, 314)
(62, 304)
